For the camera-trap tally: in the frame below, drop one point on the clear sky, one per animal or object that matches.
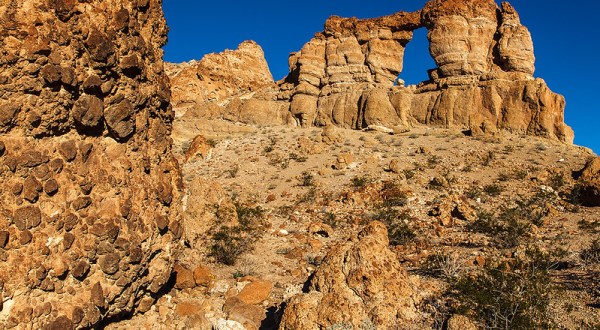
(565, 36)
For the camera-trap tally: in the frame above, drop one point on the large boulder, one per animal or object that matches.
(87, 173)
(360, 285)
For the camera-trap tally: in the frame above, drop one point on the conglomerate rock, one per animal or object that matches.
(359, 285)
(88, 194)
(347, 76)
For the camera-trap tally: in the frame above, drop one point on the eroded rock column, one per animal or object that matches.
(89, 220)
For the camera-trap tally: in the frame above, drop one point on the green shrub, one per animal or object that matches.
(515, 295)
(228, 243)
(361, 181)
(307, 179)
(399, 232)
(591, 255)
(493, 190)
(393, 195)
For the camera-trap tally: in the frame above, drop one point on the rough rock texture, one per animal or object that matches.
(360, 285)
(217, 77)
(235, 85)
(347, 76)
(87, 173)
(589, 183)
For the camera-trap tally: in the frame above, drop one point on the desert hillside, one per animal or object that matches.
(138, 194)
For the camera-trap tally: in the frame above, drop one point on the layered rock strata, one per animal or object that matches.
(88, 194)
(347, 76)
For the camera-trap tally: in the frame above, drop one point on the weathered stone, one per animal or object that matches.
(184, 278)
(202, 276)
(60, 323)
(119, 119)
(51, 187)
(31, 189)
(109, 263)
(88, 111)
(255, 292)
(27, 217)
(4, 237)
(68, 150)
(358, 280)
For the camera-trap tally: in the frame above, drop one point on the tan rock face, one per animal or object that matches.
(217, 77)
(345, 76)
(87, 172)
(461, 35)
(360, 283)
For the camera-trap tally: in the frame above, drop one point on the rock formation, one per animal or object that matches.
(217, 77)
(347, 76)
(360, 285)
(88, 201)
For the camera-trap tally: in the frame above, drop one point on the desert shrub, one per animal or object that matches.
(557, 180)
(310, 196)
(515, 295)
(488, 158)
(433, 161)
(473, 192)
(592, 226)
(503, 177)
(520, 174)
(233, 171)
(591, 255)
(331, 219)
(297, 158)
(307, 179)
(393, 195)
(493, 189)
(399, 232)
(228, 243)
(447, 266)
(212, 142)
(513, 222)
(361, 181)
(409, 174)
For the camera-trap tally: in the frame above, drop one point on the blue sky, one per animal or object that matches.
(565, 36)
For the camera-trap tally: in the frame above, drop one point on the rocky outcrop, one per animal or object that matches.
(218, 77)
(88, 194)
(347, 76)
(234, 86)
(588, 188)
(360, 285)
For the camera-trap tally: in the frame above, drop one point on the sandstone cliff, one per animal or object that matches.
(347, 76)
(88, 200)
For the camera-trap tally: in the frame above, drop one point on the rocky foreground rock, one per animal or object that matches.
(89, 198)
(360, 285)
(347, 76)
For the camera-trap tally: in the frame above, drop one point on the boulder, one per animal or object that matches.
(360, 282)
